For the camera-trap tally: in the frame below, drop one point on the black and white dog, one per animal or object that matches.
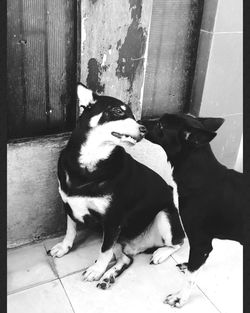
(97, 177)
(212, 198)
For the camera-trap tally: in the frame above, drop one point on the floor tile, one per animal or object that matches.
(182, 254)
(141, 288)
(221, 278)
(49, 298)
(84, 253)
(27, 266)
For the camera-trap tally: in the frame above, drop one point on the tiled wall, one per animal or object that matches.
(217, 88)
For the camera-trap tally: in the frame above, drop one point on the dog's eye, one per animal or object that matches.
(118, 111)
(88, 107)
(160, 125)
(159, 129)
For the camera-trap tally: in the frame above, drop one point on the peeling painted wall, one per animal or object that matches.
(114, 36)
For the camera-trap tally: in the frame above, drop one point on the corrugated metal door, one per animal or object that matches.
(41, 47)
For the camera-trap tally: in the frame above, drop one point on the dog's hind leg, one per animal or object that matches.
(63, 247)
(169, 239)
(123, 262)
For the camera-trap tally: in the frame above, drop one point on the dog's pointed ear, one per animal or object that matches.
(211, 123)
(85, 95)
(198, 136)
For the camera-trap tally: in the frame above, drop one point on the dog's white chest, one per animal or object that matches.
(80, 205)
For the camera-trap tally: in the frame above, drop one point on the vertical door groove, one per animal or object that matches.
(48, 110)
(22, 52)
(41, 67)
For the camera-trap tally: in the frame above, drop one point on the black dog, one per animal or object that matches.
(212, 198)
(98, 178)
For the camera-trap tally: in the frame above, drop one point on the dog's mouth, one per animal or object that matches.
(124, 137)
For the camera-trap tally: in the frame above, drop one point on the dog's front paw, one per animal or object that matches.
(59, 250)
(182, 267)
(94, 272)
(160, 255)
(105, 283)
(177, 299)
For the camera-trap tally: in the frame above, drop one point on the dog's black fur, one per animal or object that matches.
(138, 194)
(212, 197)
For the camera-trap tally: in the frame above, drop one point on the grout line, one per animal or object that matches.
(206, 31)
(31, 286)
(58, 277)
(51, 262)
(224, 115)
(52, 267)
(72, 273)
(174, 259)
(219, 33)
(233, 114)
(208, 298)
(42, 282)
(67, 296)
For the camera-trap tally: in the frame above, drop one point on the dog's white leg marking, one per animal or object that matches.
(122, 263)
(95, 271)
(161, 254)
(63, 247)
(163, 227)
(179, 298)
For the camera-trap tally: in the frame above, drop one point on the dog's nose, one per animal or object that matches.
(143, 129)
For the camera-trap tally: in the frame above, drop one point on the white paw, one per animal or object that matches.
(160, 255)
(178, 299)
(59, 250)
(94, 272)
(106, 282)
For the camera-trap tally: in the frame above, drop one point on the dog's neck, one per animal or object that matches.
(94, 150)
(91, 154)
(193, 169)
(85, 166)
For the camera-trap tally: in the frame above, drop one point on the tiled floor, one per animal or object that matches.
(39, 284)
